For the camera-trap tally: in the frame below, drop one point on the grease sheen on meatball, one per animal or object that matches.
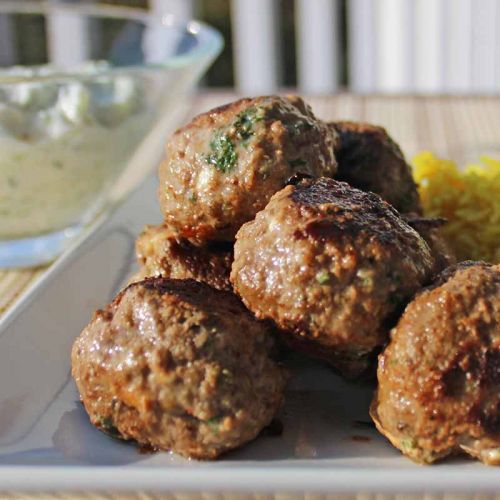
(161, 254)
(224, 166)
(439, 378)
(370, 160)
(178, 365)
(331, 265)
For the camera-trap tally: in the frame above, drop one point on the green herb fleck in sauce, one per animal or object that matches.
(223, 156)
(408, 444)
(367, 283)
(245, 122)
(214, 424)
(322, 277)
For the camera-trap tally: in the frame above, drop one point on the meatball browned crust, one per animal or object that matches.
(224, 166)
(439, 378)
(331, 265)
(177, 365)
(370, 160)
(430, 230)
(161, 254)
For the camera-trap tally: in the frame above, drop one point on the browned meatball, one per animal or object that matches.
(332, 265)
(177, 365)
(160, 254)
(370, 160)
(439, 378)
(224, 166)
(430, 230)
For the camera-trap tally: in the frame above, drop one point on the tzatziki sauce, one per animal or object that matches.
(62, 143)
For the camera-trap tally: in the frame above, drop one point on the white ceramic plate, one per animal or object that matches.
(47, 442)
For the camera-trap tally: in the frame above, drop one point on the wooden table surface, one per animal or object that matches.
(457, 127)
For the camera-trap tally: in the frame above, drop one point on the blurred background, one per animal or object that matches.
(317, 46)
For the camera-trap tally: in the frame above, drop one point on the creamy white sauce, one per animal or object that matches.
(62, 145)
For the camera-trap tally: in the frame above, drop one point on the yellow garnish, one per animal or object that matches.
(469, 199)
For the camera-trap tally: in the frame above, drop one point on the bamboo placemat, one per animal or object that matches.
(457, 127)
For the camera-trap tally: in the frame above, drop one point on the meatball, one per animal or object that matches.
(224, 166)
(430, 230)
(370, 160)
(160, 254)
(177, 365)
(439, 378)
(332, 266)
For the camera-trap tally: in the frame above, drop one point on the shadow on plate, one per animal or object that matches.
(77, 440)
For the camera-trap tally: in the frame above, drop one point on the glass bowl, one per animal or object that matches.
(74, 122)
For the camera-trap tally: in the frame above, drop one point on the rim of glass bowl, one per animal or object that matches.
(211, 41)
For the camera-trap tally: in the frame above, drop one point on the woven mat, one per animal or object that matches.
(457, 127)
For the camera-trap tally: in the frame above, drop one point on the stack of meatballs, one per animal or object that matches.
(281, 228)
